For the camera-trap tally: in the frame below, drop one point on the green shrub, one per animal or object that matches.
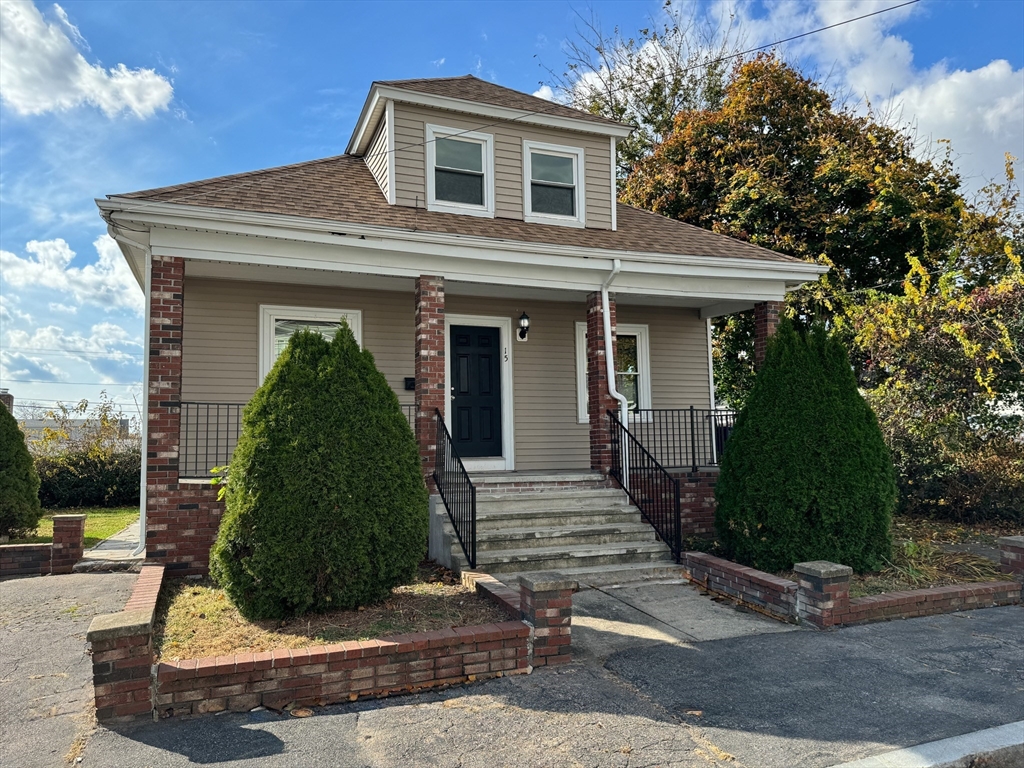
(77, 478)
(19, 484)
(325, 502)
(806, 474)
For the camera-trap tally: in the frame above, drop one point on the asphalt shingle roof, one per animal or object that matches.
(342, 189)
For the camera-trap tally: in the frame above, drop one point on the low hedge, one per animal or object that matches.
(87, 479)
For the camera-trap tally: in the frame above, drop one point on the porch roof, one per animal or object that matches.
(342, 189)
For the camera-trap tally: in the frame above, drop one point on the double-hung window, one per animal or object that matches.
(632, 367)
(460, 171)
(553, 184)
(278, 324)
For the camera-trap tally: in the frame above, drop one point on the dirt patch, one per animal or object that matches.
(196, 619)
(923, 529)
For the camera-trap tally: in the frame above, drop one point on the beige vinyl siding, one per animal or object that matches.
(220, 354)
(410, 160)
(377, 155)
(220, 334)
(679, 354)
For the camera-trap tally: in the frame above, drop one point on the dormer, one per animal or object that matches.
(464, 146)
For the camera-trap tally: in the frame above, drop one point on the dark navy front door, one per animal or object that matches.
(476, 390)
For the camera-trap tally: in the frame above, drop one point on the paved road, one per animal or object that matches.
(45, 674)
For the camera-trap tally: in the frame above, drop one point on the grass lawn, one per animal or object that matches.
(196, 619)
(100, 524)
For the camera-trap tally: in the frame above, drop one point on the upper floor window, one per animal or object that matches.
(553, 184)
(460, 171)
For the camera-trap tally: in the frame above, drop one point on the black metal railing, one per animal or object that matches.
(457, 490)
(648, 484)
(683, 437)
(208, 434)
(410, 415)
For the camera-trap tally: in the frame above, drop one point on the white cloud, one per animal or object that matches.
(66, 308)
(438, 62)
(107, 283)
(41, 70)
(981, 111)
(545, 92)
(109, 350)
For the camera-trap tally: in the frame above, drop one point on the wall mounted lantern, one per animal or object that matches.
(524, 326)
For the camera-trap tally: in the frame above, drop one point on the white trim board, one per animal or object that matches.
(270, 313)
(507, 461)
(643, 355)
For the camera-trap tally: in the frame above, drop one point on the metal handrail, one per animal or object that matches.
(648, 484)
(683, 437)
(457, 491)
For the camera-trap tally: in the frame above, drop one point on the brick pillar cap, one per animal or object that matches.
(69, 517)
(823, 569)
(547, 582)
(111, 626)
(1011, 541)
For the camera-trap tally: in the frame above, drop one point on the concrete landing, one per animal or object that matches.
(114, 554)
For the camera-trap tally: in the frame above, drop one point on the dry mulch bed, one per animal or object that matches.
(196, 618)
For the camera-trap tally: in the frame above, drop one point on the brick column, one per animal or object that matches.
(599, 402)
(546, 602)
(68, 542)
(1011, 556)
(766, 320)
(823, 593)
(430, 346)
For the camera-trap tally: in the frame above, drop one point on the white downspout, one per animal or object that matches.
(145, 386)
(609, 358)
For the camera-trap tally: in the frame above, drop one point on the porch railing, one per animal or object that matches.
(209, 432)
(457, 490)
(648, 484)
(683, 437)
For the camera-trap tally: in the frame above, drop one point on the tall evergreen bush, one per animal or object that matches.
(325, 502)
(19, 483)
(806, 474)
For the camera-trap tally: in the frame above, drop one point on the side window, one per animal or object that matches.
(632, 367)
(278, 323)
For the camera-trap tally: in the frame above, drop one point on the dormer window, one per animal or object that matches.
(460, 171)
(553, 184)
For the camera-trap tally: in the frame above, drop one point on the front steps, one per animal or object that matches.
(572, 523)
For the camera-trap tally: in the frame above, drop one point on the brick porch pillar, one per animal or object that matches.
(766, 320)
(599, 402)
(163, 529)
(430, 344)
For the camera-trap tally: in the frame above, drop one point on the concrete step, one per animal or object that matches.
(577, 498)
(611, 575)
(584, 535)
(559, 558)
(483, 479)
(559, 518)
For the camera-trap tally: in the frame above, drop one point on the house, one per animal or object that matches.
(471, 238)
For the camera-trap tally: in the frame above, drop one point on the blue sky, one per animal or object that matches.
(104, 97)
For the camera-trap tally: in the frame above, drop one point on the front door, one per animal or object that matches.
(476, 390)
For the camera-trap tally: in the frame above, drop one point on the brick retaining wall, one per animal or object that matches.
(21, 560)
(129, 683)
(1011, 555)
(821, 597)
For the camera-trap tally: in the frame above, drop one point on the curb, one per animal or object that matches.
(1000, 747)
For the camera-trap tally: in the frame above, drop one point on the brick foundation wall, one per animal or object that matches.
(697, 502)
(758, 590)
(599, 402)
(181, 527)
(129, 683)
(21, 560)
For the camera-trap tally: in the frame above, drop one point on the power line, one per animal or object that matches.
(74, 383)
(51, 350)
(250, 180)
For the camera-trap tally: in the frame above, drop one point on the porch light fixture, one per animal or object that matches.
(524, 326)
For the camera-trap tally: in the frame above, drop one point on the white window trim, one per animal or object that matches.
(507, 461)
(643, 355)
(486, 210)
(580, 219)
(271, 313)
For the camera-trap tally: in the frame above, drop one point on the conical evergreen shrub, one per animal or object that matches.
(19, 483)
(806, 474)
(325, 502)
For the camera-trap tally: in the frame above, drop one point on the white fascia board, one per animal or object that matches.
(295, 228)
(353, 255)
(361, 134)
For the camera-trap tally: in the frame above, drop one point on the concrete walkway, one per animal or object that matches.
(45, 671)
(118, 547)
